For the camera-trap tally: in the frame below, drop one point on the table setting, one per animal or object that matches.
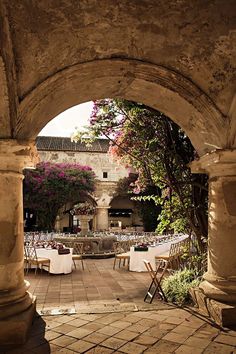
(59, 255)
(149, 250)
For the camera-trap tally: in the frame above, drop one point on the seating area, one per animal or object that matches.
(159, 257)
(98, 282)
(155, 254)
(130, 305)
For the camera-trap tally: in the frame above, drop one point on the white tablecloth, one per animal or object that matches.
(59, 263)
(136, 257)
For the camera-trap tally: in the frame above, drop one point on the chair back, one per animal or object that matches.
(174, 249)
(69, 244)
(132, 242)
(31, 253)
(125, 246)
(178, 248)
(150, 270)
(117, 247)
(25, 251)
(185, 245)
(78, 247)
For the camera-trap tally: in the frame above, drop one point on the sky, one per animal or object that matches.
(66, 122)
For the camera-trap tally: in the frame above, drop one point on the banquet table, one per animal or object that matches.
(59, 263)
(137, 257)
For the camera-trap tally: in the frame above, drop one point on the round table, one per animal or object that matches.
(59, 263)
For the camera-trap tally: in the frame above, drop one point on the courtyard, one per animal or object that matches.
(101, 310)
(177, 57)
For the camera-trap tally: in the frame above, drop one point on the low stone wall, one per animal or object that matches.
(93, 246)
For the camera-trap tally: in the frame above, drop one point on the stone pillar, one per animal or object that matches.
(58, 224)
(102, 218)
(17, 305)
(220, 279)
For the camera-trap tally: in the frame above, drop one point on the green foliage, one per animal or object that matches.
(197, 262)
(124, 185)
(149, 210)
(176, 287)
(149, 213)
(171, 217)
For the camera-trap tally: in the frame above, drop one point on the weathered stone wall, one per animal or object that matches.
(99, 162)
(187, 36)
(176, 56)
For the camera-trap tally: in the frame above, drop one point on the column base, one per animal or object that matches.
(14, 329)
(223, 314)
(219, 289)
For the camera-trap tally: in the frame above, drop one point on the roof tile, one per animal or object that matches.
(53, 143)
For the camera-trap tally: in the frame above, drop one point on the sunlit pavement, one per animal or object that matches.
(101, 310)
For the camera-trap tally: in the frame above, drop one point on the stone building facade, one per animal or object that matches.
(113, 212)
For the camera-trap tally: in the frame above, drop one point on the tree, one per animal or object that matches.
(160, 151)
(52, 185)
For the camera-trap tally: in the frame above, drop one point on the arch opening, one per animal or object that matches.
(154, 86)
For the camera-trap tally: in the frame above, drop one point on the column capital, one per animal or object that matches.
(215, 164)
(16, 155)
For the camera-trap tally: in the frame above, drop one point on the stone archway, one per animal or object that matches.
(163, 56)
(155, 86)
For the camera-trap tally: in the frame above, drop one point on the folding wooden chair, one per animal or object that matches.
(33, 259)
(155, 285)
(78, 253)
(171, 259)
(121, 252)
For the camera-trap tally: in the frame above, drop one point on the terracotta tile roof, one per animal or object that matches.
(53, 143)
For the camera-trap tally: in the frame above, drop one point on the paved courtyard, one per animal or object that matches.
(98, 282)
(102, 311)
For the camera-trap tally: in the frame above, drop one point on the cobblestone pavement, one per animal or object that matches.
(108, 325)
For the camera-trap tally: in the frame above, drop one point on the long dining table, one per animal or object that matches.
(137, 257)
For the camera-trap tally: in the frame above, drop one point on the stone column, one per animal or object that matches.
(220, 279)
(17, 306)
(58, 224)
(102, 218)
